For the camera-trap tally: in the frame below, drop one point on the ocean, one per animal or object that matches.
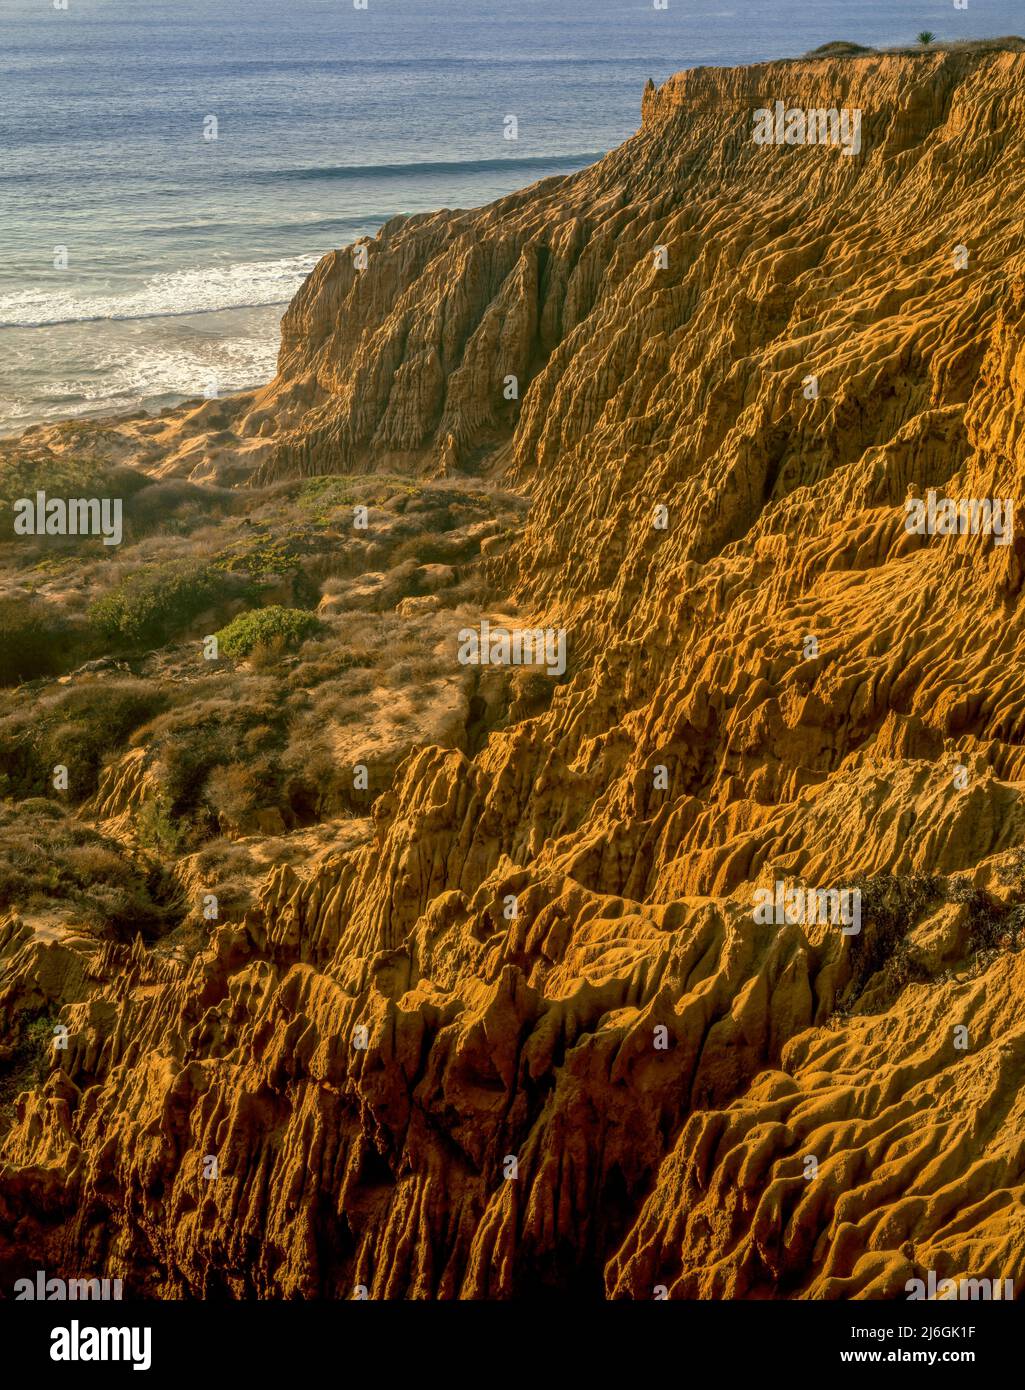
(142, 262)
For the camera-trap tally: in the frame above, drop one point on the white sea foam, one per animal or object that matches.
(243, 285)
(143, 374)
(185, 371)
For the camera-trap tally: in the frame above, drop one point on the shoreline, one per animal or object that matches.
(114, 420)
(105, 415)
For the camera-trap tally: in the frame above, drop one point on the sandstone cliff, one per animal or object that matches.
(660, 1066)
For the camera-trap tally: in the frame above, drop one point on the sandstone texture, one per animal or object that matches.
(375, 1040)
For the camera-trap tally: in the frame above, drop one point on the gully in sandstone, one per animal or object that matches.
(422, 876)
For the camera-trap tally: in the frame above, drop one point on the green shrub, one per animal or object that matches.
(839, 48)
(25, 474)
(156, 828)
(28, 1061)
(153, 604)
(34, 640)
(264, 626)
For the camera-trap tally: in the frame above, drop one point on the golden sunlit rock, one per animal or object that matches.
(512, 1027)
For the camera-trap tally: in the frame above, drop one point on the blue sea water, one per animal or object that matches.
(182, 251)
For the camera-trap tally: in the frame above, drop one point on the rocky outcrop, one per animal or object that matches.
(531, 1037)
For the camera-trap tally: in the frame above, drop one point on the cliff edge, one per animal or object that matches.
(532, 1036)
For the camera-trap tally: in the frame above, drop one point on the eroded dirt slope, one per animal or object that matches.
(660, 1065)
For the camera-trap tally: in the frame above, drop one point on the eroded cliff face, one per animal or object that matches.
(589, 1068)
